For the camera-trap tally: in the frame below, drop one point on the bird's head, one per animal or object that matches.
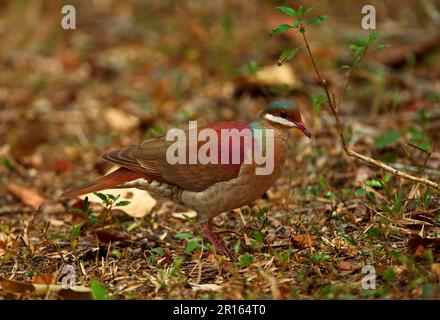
(284, 114)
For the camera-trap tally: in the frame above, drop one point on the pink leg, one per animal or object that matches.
(213, 238)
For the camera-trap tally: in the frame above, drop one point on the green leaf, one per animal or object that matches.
(317, 20)
(99, 292)
(388, 275)
(287, 55)
(75, 231)
(287, 10)
(372, 37)
(158, 250)
(362, 42)
(85, 207)
(317, 101)
(360, 192)
(122, 203)
(381, 46)
(297, 23)
(320, 257)
(309, 10)
(156, 131)
(373, 233)
(257, 236)
(245, 260)
(133, 226)
(251, 68)
(357, 49)
(281, 28)
(300, 12)
(101, 196)
(77, 211)
(113, 197)
(348, 133)
(5, 162)
(373, 183)
(424, 145)
(177, 265)
(372, 196)
(331, 196)
(184, 235)
(386, 139)
(346, 67)
(192, 245)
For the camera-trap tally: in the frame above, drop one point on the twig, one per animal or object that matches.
(335, 110)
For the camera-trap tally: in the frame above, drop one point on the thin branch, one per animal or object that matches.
(350, 77)
(335, 110)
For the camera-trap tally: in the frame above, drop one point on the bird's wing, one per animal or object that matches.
(149, 158)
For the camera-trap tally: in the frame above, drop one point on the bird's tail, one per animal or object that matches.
(109, 181)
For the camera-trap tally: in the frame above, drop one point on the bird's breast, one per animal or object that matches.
(237, 192)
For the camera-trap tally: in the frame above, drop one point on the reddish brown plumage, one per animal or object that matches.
(109, 181)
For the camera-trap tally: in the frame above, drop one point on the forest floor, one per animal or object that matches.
(331, 227)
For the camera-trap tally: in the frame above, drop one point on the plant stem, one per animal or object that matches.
(335, 110)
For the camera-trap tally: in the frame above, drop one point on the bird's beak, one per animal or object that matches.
(301, 126)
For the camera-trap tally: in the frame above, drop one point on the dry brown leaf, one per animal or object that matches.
(417, 241)
(13, 286)
(119, 120)
(303, 241)
(105, 236)
(347, 266)
(78, 292)
(420, 251)
(435, 267)
(28, 196)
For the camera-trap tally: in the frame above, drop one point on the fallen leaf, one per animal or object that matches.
(435, 267)
(13, 286)
(181, 215)
(105, 236)
(206, 287)
(63, 165)
(420, 251)
(347, 266)
(141, 203)
(119, 120)
(28, 196)
(417, 241)
(76, 293)
(303, 241)
(44, 278)
(277, 75)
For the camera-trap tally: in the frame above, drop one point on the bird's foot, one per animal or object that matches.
(214, 239)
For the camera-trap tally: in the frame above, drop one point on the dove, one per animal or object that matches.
(210, 169)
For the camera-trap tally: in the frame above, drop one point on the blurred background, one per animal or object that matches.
(133, 69)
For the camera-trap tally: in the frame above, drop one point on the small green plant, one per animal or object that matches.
(154, 253)
(5, 162)
(251, 68)
(155, 131)
(75, 231)
(192, 242)
(99, 292)
(360, 47)
(86, 212)
(386, 139)
(245, 260)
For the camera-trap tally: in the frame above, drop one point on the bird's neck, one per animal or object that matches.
(280, 134)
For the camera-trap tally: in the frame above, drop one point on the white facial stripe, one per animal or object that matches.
(279, 120)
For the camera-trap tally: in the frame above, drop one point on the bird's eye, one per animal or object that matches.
(283, 114)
